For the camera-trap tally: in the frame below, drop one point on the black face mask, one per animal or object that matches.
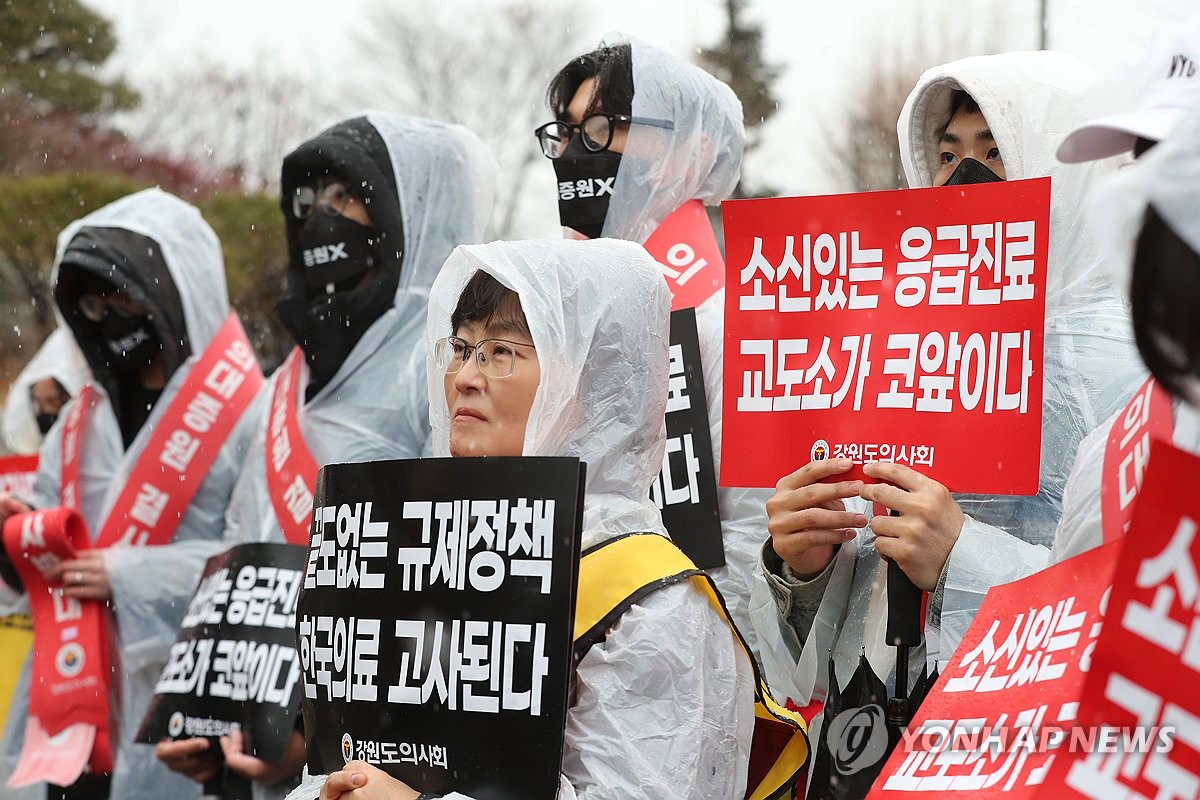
(971, 171)
(585, 186)
(131, 342)
(45, 422)
(335, 251)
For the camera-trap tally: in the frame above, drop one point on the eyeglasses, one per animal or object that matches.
(96, 307)
(331, 199)
(496, 358)
(596, 132)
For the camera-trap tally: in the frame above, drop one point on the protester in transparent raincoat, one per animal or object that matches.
(426, 187)
(1148, 213)
(962, 545)
(164, 263)
(597, 354)
(42, 388)
(685, 142)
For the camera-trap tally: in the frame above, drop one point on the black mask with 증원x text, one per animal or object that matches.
(971, 171)
(45, 421)
(336, 252)
(585, 186)
(131, 341)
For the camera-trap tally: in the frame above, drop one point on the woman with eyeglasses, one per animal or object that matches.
(637, 134)
(559, 349)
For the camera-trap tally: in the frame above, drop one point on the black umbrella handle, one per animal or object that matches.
(904, 607)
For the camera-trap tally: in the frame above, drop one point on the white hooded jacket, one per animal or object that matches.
(150, 585)
(57, 358)
(1028, 100)
(1167, 177)
(664, 704)
(698, 157)
(375, 406)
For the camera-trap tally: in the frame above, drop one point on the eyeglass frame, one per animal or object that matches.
(322, 201)
(116, 302)
(469, 348)
(613, 121)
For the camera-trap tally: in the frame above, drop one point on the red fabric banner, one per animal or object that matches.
(291, 468)
(685, 246)
(1147, 417)
(71, 651)
(923, 308)
(1004, 705)
(1140, 703)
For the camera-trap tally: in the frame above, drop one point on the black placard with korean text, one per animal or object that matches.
(686, 488)
(234, 663)
(435, 622)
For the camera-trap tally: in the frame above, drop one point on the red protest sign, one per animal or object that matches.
(691, 261)
(17, 474)
(1140, 698)
(1005, 704)
(922, 308)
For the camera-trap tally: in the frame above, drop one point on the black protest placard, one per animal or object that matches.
(435, 622)
(686, 488)
(234, 664)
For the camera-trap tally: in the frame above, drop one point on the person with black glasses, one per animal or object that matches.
(637, 134)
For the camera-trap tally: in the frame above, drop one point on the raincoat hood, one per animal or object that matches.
(698, 157)
(599, 315)
(1031, 101)
(58, 358)
(427, 186)
(157, 249)
(1168, 178)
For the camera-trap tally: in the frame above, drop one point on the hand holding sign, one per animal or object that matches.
(194, 758)
(361, 780)
(807, 518)
(921, 537)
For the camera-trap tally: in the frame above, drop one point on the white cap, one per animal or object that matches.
(1168, 89)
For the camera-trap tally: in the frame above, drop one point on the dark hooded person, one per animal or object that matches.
(147, 454)
(372, 207)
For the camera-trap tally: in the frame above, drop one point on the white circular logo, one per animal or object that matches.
(857, 739)
(175, 724)
(820, 450)
(347, 748)
(69, 660)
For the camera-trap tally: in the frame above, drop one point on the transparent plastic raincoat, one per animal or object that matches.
(1168, 177)
(1029, 101)
(150, 585)
(698, 157)
(57, 358)
(664, 704)
(375, 406)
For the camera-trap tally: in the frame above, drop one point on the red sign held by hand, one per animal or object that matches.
(901, 326)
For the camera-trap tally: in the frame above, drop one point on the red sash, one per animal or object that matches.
(1147, 416)
(71, 638)
(686, 248)
(291, 469)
